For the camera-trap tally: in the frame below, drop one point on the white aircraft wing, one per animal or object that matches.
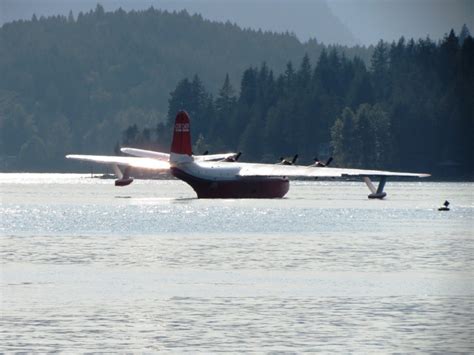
(146, 153)
(134, 162)
(310, 171)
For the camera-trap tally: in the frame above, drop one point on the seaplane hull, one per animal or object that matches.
(242, 187)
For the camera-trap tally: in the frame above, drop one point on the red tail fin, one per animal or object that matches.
(182, 135)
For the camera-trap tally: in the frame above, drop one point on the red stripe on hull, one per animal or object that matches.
(245, 187)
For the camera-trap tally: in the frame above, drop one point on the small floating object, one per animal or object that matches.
(445, 207)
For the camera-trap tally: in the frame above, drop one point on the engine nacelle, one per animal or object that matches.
(124, 181)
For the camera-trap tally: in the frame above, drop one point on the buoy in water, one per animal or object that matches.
(445, 207)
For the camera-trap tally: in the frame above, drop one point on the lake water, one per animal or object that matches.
(86, 266)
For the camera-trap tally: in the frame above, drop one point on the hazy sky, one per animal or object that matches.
(370, 20)
(343, 21)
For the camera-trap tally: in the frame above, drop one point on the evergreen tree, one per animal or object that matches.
(226, 98)
(248, 87)
(360, 87)
(463, 34)
(304, 73)
(343, 142)
(380, 67)
(224, 110)
(180, 99)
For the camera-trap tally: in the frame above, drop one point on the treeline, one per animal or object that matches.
(411, 109)
(73, 84)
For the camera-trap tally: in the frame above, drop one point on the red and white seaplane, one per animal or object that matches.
(222, 176)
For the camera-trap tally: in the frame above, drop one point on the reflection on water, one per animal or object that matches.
(86, 266)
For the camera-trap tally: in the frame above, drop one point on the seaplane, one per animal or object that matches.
(223, 175)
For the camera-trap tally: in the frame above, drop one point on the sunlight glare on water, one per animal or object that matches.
(86, 266)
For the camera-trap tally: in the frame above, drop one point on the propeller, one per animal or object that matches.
(284, 161)
(233, 158)
(295, 158)
(320, 164)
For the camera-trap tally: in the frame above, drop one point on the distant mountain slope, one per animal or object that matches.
(161, 45)
(94, 75)
(371, 20)
(306, 18)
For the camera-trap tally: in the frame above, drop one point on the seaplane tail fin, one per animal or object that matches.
(181, 145)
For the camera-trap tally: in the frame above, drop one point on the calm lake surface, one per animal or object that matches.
(86, 266)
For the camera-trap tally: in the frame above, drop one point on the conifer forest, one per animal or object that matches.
(100, 80)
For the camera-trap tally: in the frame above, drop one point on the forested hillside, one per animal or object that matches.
(72, 84)
(89, 83)
(411, 109)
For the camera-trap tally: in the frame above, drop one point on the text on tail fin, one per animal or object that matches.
(181, 143)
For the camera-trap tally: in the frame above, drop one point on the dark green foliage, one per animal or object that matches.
(103, 71)
(81, 85)
(413, 110)
(362, 138)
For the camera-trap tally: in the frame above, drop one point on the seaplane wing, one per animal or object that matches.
(146, 153)
(166, 157)
(132, 162)
(262, 170)
(268, 171)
